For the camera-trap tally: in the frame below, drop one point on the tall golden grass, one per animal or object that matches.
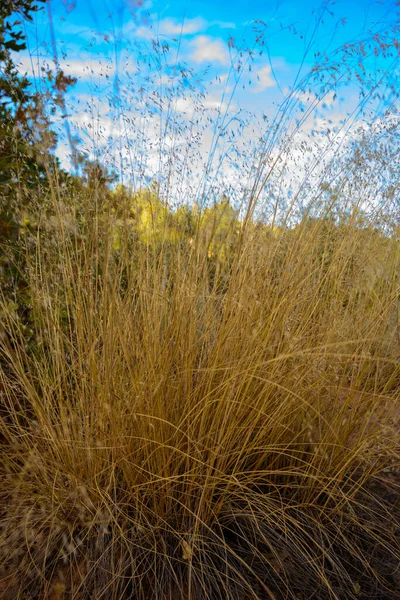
(202, 426)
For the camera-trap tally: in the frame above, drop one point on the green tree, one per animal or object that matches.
(26, 149)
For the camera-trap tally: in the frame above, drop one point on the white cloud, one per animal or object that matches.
(264, 79)
(183, 105)
(214, 103)
(86, 70)
(144, 32)
(208, 49)
(170, 27)
(186, 27)
(27, 66)
(82, 69)
(186, 105)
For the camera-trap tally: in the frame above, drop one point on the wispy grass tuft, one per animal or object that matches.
(201, 398)
(202, 420)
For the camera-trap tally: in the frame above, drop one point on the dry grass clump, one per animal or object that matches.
(199, 425)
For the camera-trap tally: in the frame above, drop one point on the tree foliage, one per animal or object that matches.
(27, 145)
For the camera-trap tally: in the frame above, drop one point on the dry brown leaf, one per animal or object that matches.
(187, 552)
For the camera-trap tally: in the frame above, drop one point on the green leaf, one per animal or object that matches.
(13, 45)
(356, 588)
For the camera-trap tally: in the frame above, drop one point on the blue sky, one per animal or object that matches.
(109, 47)
(86, 29)
(74, 19)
